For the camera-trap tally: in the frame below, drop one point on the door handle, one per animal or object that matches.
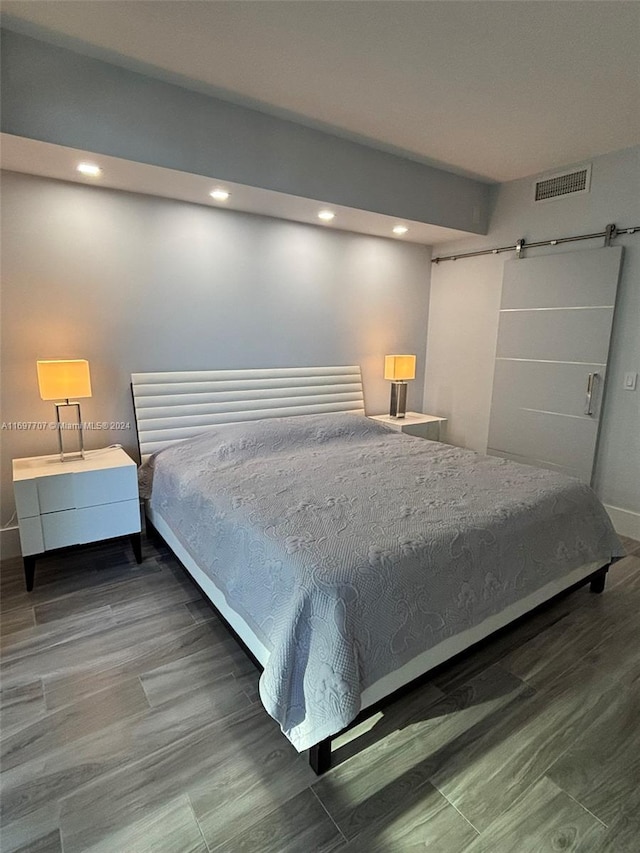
(588, 399)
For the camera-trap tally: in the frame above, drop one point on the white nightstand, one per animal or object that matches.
(414, 423)
(74, 502)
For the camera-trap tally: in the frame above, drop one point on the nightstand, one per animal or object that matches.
(414, 423)
(74, 502)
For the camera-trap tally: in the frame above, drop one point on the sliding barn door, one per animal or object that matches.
(551, 359)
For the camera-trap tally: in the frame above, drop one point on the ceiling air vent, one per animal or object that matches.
(562, 184)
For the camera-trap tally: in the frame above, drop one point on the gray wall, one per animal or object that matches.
(135, 283)
(57, 95)
(463, 316)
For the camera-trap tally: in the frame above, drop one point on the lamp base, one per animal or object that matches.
(398, 407)
(63, 425)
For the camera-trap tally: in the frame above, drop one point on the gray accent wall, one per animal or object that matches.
(136, 283)
(57, 95)
(465, 301)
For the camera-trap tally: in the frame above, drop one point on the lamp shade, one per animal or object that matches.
(399, 367)
(61, 380)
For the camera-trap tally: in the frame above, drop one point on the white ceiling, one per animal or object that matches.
(496, 89)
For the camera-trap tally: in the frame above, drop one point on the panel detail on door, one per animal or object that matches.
(535, 285)
(546, 386)
(562, 334)
(572, 444)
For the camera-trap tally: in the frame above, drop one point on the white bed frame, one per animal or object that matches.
(174, 406)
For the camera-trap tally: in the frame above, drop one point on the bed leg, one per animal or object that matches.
(320, 756)
(598, 579)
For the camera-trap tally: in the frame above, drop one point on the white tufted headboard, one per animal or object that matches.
(172, 406)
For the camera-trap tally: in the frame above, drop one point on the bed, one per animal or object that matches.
(348, 558)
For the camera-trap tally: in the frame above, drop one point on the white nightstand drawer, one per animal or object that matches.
(31, 539)
(415, 423)
(59, 529)
(75, 490)
(109, 486)
(55, 493)
(90, 524)
(428, 430)
(105, 522)
(26, 495)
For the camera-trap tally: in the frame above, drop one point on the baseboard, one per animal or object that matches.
(626, 522)
(9, 542)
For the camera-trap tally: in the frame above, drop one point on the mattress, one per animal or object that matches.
(350, 550)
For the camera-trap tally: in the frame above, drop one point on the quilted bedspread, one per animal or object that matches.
(349, 548)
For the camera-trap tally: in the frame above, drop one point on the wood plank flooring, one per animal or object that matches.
(131, 723)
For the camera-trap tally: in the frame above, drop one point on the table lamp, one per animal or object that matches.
(399, 368)
(61, 380)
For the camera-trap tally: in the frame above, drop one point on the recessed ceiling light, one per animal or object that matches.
(219, 194)
(400, 229)
(90, 170)
(326, 215)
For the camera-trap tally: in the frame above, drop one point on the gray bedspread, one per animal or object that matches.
(349, 548)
